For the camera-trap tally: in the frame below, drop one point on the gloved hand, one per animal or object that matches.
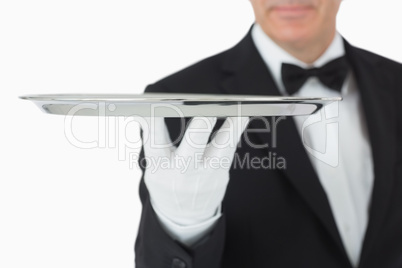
(187, 183)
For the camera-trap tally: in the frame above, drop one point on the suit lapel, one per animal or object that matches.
(375, 88)
(247, 74)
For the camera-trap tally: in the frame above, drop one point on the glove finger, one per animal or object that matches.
(224, 143)
(196, 136)
(156, 138)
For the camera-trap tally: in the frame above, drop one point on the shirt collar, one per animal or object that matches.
(273, 55)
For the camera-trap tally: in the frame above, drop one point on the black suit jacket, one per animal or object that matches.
(281, 217)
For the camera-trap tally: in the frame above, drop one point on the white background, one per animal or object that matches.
(63, 206)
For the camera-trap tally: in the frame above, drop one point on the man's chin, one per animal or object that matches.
(292, 36)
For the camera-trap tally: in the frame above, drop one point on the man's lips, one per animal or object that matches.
(292, 11)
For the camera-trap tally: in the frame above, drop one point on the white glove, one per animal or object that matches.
(187, 184)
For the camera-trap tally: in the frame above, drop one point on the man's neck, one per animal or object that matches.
(274, 55)
(308, 52)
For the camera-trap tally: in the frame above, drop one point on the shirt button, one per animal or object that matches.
(178, 263)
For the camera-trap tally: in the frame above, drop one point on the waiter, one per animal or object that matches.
(336, 198)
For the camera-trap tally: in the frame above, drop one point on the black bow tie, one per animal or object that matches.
(332, 75)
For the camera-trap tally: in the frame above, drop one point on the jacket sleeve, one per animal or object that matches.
(154, 248)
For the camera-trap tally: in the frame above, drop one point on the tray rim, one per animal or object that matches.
(169, 97)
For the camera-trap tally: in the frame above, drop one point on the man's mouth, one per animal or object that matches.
(292, 11)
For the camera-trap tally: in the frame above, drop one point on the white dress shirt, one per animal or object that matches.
(336, 141)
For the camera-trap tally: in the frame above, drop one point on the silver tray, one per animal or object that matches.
(176, 105)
